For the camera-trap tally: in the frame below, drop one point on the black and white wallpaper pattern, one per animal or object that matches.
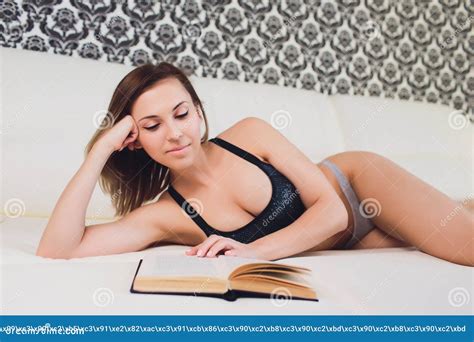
(415, 50)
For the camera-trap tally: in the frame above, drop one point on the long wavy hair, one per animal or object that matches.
(133, 178)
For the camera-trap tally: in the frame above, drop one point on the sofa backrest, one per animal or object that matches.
(50, 103)
(434, 142)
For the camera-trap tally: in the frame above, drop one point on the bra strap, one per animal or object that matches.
(236, 150)
(186, 207)
(190, 211)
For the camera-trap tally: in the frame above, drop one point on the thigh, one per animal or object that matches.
(339, 239)
(377, 238)
(343, 162)
(411, 210)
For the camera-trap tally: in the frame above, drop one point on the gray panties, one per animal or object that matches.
(362, 225)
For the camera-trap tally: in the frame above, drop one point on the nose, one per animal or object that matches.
(174, 132)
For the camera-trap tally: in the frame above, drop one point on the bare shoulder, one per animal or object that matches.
(172, 220)
(137, 230)
(154, 216)
(156, 211)
(161, 213)
(262, 139)
(250, 134)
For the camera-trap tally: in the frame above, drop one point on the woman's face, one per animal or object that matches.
(167, 119)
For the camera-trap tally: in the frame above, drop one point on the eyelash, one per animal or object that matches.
(152, 128)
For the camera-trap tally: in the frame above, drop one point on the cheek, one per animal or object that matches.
(151, 141)
(197, 124)
(191, 128)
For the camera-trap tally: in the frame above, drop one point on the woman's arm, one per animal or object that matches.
(319, 222)
(67, 237)
(65, 227)
(134, 232)
(325, 215)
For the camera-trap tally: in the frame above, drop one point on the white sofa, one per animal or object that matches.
(48, 105)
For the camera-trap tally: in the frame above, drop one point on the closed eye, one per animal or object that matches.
(154, 127)
(182, 115)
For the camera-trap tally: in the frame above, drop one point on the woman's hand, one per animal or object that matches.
(122, 134)
(215, 244)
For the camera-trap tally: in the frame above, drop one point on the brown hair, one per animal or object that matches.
(133, 177)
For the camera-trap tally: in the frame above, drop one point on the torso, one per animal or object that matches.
(232, 204)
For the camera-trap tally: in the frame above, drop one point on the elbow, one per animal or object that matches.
(51, 255)
(339, 213)
(343, 216)
(41, 253)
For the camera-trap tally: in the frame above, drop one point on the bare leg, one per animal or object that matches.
(377, 238)
(408, 209)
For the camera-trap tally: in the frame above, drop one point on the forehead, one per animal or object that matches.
(160, 99)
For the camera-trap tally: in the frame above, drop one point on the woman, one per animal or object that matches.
(248, 192)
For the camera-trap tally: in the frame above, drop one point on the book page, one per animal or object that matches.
(227, 264)
(282, 277)
(193, 266)
(179, 266)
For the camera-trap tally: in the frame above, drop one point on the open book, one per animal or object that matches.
(227, 277)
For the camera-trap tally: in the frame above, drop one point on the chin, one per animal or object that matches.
(181, 164)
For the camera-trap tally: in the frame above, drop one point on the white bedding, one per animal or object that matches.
(40, 153)
(392, 281)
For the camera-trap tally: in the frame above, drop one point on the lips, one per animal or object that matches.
(178, 148)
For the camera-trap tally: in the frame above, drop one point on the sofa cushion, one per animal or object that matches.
(426, 139)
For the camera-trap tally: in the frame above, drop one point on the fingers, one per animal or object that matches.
(134, 138)
(220, 245)
(131, 137)
(134, 130)
(193, 250)
(131, 146)
(202, 248)
(128, 143)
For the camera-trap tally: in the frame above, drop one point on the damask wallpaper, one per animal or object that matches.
(407, 49)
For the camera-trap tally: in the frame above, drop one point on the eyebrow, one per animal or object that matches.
(154, 115)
